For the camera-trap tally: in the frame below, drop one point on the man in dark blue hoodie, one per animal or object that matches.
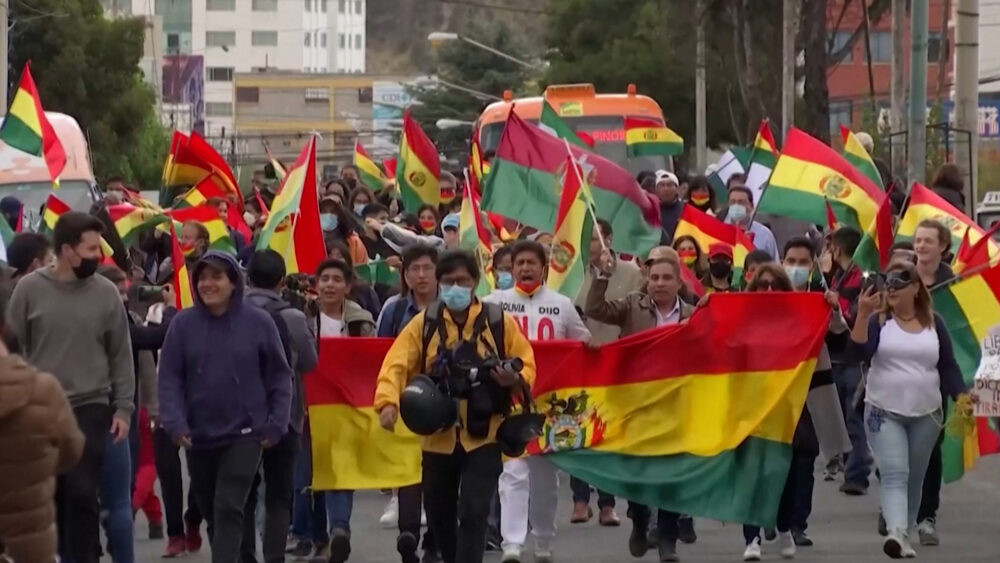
(225, 391)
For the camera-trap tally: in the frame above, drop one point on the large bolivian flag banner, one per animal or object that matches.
(643, 418)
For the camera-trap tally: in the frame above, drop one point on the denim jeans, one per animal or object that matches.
(116, 500)
(858, 462)
(309, 508)
(77, 511)
(902, 447)
(931, 499)
(666, 521)
(339, 505)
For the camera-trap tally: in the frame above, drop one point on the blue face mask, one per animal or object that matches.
(737, 213)
(505, 280)
(798, 275)
(359, 208)
(328, 221)
(455, 297)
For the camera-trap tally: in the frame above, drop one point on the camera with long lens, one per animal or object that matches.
(149, 292)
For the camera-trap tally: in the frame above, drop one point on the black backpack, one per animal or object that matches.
(274, 309)
(491, 317)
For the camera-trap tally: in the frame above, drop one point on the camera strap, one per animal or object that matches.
(491, 317)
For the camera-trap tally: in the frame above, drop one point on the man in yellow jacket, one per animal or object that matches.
(460, 471)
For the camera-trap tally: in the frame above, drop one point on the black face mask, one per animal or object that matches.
(86, 268)
(351, 183)
(720, 270)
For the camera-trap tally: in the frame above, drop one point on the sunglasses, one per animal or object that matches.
(899, 279)
(766, 285)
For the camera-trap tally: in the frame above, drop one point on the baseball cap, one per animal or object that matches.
(661, 252)
(720, 249)
(663, 175)
(450, 221)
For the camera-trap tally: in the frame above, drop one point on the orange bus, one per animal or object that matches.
(601, 116)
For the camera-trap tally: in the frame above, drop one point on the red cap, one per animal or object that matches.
(720, 249)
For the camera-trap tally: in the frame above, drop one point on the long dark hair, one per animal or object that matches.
(781, 281)
(922, 304)
(698, 182)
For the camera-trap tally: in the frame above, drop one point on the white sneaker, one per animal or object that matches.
(511, 554)
(787, 544)
(893, 544)
(390, 517)
(752, 552)
(543, 551)
(907, 551)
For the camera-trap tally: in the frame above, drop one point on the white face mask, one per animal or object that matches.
(737, 213)
(250, 218)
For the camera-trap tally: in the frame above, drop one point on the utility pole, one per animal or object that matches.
(4, 66)
(897, 122)
(967, 95)
(917, 138)
(789, 25)
(701, 138)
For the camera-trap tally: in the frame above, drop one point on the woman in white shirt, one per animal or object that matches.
(911, 368)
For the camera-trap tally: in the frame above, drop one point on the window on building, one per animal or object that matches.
(317, 94)
(220, 38)
(934, 46)
(323, 6)
(265, 5)
(357, 40)
(220, 73)
(247, 94)
(322, 39)
(341, 40)
(840, 114)
(264, 38)
(173, 42)
(220, 5)
(342, 6)
(218, 109)
(309, 39)
(357, 6)
(839, 40)
(881, 46)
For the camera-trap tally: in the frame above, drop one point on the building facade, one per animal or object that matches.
(205, 43)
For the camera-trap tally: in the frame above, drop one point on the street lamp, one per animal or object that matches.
(446, 123)
(434, 81)
(438, 37)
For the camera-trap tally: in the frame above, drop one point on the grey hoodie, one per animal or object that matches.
(77, 330)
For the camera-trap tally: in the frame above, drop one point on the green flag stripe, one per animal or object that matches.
(805, 206)
(967, 354)
(654, 149)
(866, 167)
(17, 134)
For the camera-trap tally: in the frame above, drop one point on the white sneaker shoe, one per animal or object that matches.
(390, 517)
(752, 552)
(511, 554)
(787, 544)
(543, 551)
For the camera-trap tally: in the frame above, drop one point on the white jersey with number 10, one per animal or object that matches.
(546, 315)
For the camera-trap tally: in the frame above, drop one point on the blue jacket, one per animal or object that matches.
(222, 378)
(952, 384)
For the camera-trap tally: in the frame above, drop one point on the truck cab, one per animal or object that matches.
(988, 211)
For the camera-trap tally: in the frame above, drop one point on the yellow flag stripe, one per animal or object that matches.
(23, 107)
(815, 179)
(651, 135)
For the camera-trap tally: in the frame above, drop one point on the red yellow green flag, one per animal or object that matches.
(970, 256)
(292, 228)
(218, 234)
(199, 194)
(809, 173)
(925, 204)
(859, 157)
(418, 172)
(571, 241)
(872, 253)
(368, 172)
(26, 128)
(474, 237)
(182, 278)
(970, 307)
(648, 137)
(130, 220)
(54, 208)
(707, 230)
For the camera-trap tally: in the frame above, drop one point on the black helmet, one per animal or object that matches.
(516, 431)
(425, 409)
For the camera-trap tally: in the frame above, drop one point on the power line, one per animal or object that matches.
(474, 4)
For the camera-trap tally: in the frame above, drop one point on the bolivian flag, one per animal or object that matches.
(199, 194)
(571, 241)
(872, 253)
(292, 228)
(418, 171)
(130, 220)
(970, 308)
(350, 451)
(763, 157)
(218, 235)
(473, 236)
(54, 208)
(707, 230)
(703, 434)
(974, 255)
(859, 157)
(808, 174)
(26, 128)
(368, 172)
(648, 137)
(182, 278)
(925, 204)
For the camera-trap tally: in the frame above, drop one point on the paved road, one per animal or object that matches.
(843, 528)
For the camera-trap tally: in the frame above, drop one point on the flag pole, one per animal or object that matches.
(590, 207)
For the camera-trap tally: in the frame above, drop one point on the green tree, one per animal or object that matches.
(87, 66)
(471, 68)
